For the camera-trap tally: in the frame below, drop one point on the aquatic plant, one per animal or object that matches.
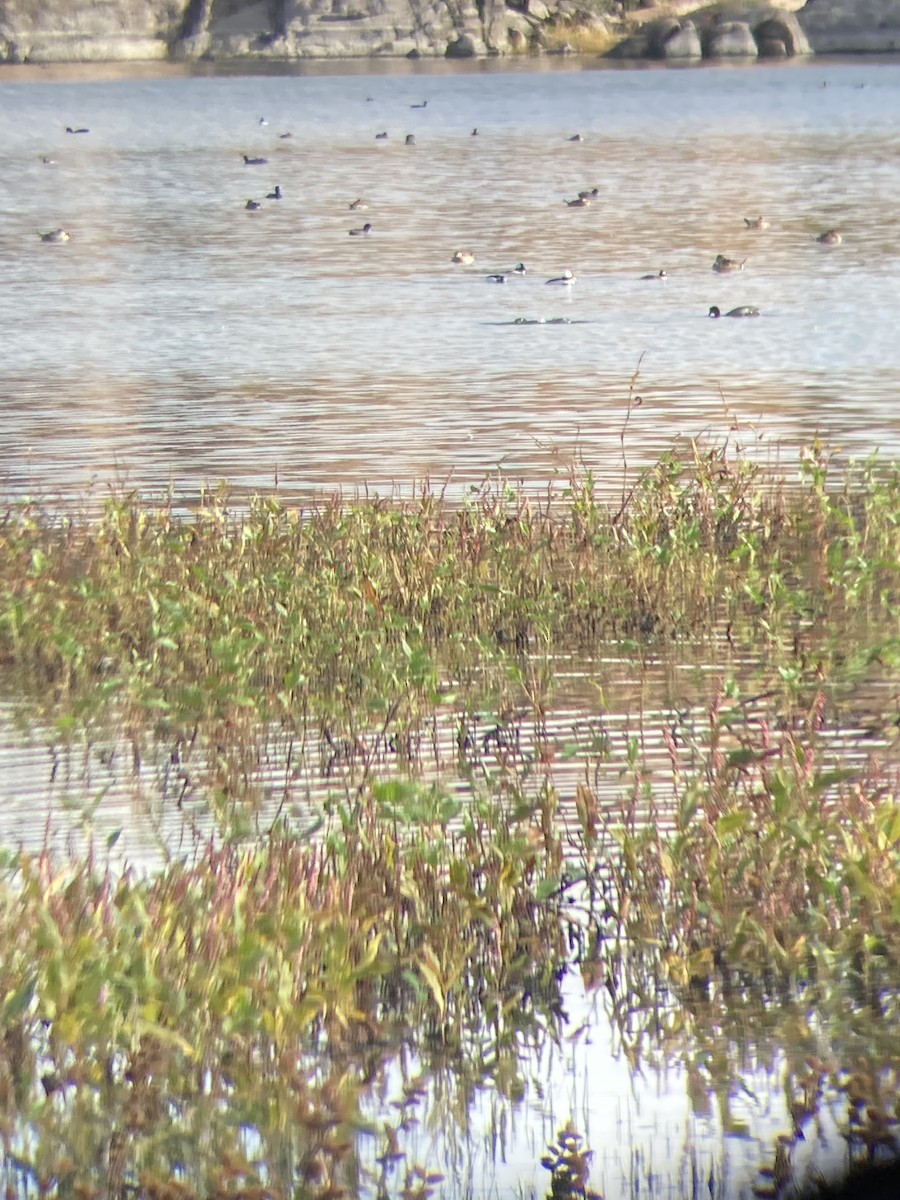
(427, 904)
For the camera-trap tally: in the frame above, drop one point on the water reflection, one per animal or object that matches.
(178, 339)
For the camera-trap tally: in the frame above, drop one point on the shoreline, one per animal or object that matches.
(336, 31)
(116, 70)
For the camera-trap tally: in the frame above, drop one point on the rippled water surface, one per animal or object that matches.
(179, 339)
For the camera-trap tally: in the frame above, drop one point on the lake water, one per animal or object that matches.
(178, 339)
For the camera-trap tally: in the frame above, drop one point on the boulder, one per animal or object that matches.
(657, 33)
(683, 43)
(465, 46)
(851, 26)
(730, 39)
(668, 37)
(779, 35)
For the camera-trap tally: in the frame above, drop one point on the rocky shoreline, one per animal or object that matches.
(54, 31)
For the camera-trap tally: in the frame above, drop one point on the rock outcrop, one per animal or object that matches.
(852, 26)
(83, 30)
(730, 39)
(95, 30)
(737, 33)
(73, 31)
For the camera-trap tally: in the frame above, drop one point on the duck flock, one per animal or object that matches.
(566, 279)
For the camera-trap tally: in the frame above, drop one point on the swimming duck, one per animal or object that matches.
(756, 222)
(579, 202)
(424, 104)
(410, 140)
(253, 206)
(55, 235)
(47, 161)
(262, 121)
(564, 280)
(496, 279)
(745, 310)
(576, 137)
(276, 195)
(542, 321)
(589, 194)
(831, 237)
(367, 228)
(466, 257)
(474, 133)
(380, 137)
(284, 136)
(69, 129)
(723, 264)
(358, 204)
(519, 269)
(254, 162)
(658, 275)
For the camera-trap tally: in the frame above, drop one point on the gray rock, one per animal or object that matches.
(683, 43)
(730, 39)
(851, 26)
(465, 46)
(779, 35)
(657, 33)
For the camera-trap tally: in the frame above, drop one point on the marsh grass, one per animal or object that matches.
(279, 612)
(278, 974)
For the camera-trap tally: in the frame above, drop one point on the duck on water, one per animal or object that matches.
(564, 280)
(745, 310)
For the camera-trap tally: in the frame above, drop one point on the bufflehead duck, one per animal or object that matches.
(358, 204)
(55, 235)
(831, 237)
(580, 202)
(496, 279)
(367, 228)
(276, 195)
(756, 222)
(253, 206)
(519, 269)
(254, 162)
(745, 310)
(658, 275)
(564, 280)
(466, 257)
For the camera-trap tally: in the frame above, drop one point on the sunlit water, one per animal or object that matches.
(178, 339)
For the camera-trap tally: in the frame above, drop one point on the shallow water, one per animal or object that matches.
(178, 340)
